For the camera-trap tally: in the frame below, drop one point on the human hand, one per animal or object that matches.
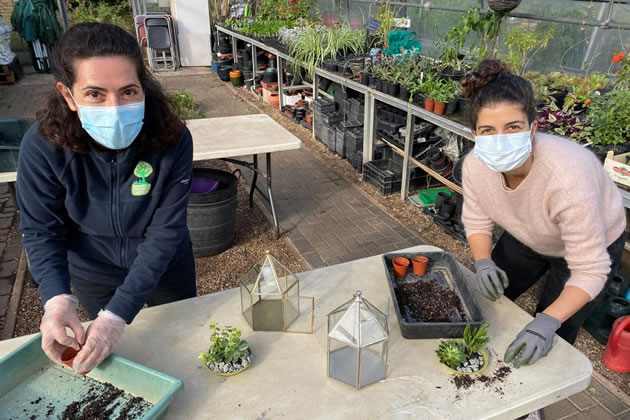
(533, 342)
(491, 280)
(60, 312)
(103, 336)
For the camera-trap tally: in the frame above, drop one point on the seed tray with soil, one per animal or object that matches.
(31, 386)
(436, 305)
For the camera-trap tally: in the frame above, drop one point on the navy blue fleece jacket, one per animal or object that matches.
(94, 215)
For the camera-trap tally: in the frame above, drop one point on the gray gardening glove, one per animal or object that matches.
(491, 280)
(534, 341)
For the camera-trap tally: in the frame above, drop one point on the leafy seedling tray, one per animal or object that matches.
(442, 272)
(33, 387)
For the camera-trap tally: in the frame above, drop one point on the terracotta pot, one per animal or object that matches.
(309, 119)
(429, 104)
(420, 265)
(439, 108)
(67, 357)
(401, 266)
(274, 100)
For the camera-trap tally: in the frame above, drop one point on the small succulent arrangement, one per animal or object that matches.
(465, 356)
(228, 353)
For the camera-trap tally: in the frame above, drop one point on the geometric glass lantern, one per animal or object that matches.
(271, 301)
(357, 342)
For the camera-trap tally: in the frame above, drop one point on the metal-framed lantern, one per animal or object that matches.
(358, 338)
(271, 301)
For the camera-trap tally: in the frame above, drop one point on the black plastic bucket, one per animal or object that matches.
(212, 216)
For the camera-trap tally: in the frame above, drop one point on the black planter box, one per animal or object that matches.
(442, 268)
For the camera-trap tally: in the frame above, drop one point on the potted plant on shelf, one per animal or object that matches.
(465, 356)
(228, 354)
(584, 90)
(610, 115)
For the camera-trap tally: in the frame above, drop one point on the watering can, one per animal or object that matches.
(617, 353)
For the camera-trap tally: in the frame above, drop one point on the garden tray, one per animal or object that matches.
(33, 387)
(443, 268)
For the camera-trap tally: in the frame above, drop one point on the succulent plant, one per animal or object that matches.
(451, 353)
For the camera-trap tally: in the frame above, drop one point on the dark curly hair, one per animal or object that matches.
(61, 126)
(492, 82)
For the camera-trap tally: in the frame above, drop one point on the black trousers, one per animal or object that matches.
(178, 283)
(524, 267)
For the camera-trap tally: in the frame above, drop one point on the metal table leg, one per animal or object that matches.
(273, 207)
(253, 188)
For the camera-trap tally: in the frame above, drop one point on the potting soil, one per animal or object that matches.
(72, 397)
(493, 381)
(429, 299)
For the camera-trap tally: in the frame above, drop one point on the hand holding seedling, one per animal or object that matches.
(60, 312)
(534, 342)
(103, 336)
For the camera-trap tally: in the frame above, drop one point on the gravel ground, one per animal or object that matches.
(254, 235)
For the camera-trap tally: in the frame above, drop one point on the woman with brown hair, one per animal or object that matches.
(562, 214)
(102, 188)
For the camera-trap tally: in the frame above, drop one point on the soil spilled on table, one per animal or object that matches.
(493, 381)
(101, 402)
(428, 301)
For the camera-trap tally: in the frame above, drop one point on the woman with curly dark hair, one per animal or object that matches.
(562, 214)
(102, 188)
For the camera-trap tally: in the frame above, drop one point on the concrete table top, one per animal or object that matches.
(288, 376)
(228, 137)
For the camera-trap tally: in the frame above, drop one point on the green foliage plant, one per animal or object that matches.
(117, 13)
(522, 45)
(610, 115)
(226, 345)
(184, 105)
(475, 338)
(451, 353)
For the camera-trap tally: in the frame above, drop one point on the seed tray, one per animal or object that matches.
(33, 387)
(444, 269)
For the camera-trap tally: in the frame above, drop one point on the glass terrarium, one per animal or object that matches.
(357, 342)
(271, 301)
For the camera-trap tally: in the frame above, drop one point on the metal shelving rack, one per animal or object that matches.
(369, 121)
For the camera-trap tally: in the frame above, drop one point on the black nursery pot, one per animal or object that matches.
(404, 94)
(393, 89)
(451, 107)
(378, 84)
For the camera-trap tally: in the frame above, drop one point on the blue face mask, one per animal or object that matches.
(114, 127)
(503, 152)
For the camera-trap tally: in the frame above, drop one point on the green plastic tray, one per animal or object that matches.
(427, 197)
(33, 387)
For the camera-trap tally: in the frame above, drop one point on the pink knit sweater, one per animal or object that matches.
(567, 206)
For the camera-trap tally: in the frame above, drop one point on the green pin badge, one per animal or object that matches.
(141, 186)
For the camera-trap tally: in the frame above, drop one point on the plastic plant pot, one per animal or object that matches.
(439, 108)
(67, 357)
(203, 185)
(420, 263)
(401, 266)
(429, 104)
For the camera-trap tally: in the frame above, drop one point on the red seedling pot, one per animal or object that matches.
(617, 353)
(67, 357)
(420, 265)
(401, 266)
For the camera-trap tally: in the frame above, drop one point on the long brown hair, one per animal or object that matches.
(60, 125)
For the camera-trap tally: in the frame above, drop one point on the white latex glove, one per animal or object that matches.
(103, 335)
(60, 312)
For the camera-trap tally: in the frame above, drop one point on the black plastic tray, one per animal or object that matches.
(443, 267)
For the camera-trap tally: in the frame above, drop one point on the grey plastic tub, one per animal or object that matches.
(442, 268)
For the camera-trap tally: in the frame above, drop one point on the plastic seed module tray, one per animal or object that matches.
(32, 387)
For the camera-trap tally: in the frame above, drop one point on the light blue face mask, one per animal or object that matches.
(504, 152)
(114, 127)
